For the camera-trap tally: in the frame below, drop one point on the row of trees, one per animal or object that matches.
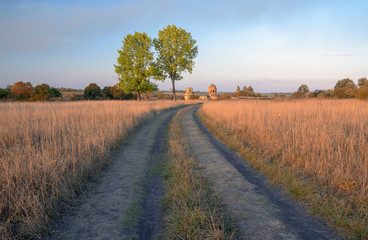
(21, 91)
(137, 66)
(344, 88)
(24, 91)
(246, 92)
(94, 92)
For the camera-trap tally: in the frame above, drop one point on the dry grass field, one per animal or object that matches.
(47, 149)
(322, 142)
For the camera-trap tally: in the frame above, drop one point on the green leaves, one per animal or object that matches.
(136, 64)
(175, 48)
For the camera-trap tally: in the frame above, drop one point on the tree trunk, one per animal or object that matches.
(173, 85)
(138, 96)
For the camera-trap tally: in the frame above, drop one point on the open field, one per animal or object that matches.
(47, 149)
(177, 180)
(318, 149)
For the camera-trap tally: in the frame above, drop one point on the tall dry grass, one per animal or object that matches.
(323, 140)
(47, 149)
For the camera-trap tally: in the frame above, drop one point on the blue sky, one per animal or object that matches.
(273, 45)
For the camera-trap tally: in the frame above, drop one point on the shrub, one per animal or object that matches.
(92, 92)
(4, 93)
(362, 92)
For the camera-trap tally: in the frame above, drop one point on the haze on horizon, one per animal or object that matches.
(273, 45)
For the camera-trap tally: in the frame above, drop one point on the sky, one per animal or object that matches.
(272, 45)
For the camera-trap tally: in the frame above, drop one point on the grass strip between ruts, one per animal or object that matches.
(193, 210)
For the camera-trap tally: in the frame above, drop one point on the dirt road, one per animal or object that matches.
(258, 211)
(121, 203)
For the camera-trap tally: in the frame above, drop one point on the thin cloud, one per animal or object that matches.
(339, 54)
(43, 39)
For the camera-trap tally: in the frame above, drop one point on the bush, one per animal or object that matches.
(55, 93)
(4, 93)
(106, 93)
(225, 96)
(92, 92)
(193, 97)
(362, 92)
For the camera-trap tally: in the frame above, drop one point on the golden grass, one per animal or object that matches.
(47, 149)
(192, 208)
(323, 142)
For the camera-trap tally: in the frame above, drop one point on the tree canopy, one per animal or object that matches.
(344, 88)
(136, 65)
(176, 50)
(21, 91)
(92, 92)
(302, 91)
(247, 91)
(363, 82)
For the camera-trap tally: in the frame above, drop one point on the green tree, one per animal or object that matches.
(136, 64)
(4, 93)
(42, 92)
(55, 93)
(92, 92)
(106, 93)
(344, 88)
(176, 50)
(118, 93)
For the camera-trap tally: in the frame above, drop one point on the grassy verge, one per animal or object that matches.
(192, 208)
(48, 150)
(319, 200)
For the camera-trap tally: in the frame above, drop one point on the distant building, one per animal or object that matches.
(188, 93)
(212, 92)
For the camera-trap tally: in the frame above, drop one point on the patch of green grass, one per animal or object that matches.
(193, 210)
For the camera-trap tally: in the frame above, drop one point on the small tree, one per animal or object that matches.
(92, 92)
(55, 93)
(176, 50)
(106, 93)
(302, 92)
(363, 82)
(344, 88)
(4, 93)
(42, 92)
(21, 91)
(362, 92)
(247, 91)
(135, 64)
(238, 92)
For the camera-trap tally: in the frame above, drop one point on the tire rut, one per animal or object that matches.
(258, 211)
(100, 212)
(150, 224)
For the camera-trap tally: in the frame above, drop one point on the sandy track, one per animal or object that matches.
(100, 212)
(258, 211)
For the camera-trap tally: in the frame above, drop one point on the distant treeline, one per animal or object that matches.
(20, 91)
(24, 91)
(345, 88)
